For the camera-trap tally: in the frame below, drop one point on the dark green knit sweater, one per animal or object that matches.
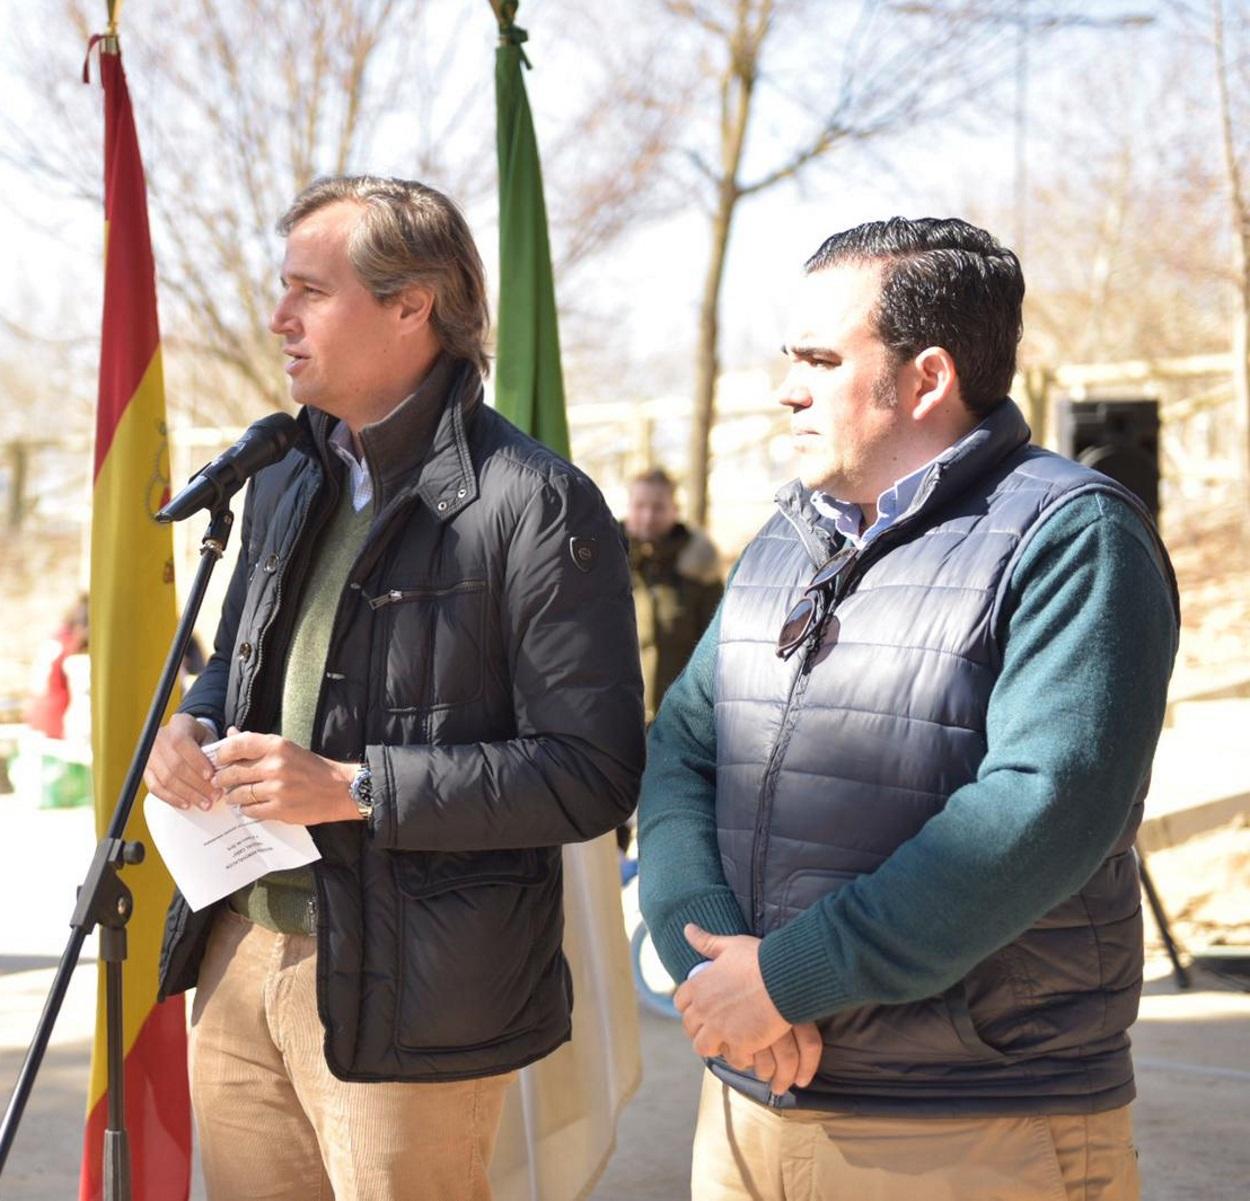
(1071, 728)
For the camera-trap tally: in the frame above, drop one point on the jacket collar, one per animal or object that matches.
(422, 444)
(1001, 432)
(446, 480)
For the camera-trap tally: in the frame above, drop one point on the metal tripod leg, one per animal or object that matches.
(1161, 920)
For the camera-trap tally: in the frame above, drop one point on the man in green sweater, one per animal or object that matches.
(426, 656)
(886, 825)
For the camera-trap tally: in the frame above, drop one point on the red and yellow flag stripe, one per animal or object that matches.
(133, 618)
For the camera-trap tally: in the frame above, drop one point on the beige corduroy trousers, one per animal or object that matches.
(274, 1123)
(746, 1152)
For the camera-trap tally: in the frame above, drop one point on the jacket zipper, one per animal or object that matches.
(759, 841)
(396, 595)
(366, 560)
(244, 709)
(789, 716)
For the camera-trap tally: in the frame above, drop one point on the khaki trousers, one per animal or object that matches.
(745, 1152)
(273, 1123)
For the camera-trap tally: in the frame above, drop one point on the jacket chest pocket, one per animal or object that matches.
(431, 643)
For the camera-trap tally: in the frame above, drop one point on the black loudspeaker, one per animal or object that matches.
(1120, 438)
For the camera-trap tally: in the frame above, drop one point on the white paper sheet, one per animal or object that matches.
(212, 852)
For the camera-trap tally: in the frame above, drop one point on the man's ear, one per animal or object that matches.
(935, 381)
(415, 306)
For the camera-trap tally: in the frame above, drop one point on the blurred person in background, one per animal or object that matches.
(677, 586)
(677, 581)
(50, 685)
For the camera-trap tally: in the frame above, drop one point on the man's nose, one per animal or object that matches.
(794, 395)
(280, 318)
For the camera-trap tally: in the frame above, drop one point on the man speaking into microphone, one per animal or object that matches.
(427, 656)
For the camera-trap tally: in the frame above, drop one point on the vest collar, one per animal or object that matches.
(795, 503)
(1001, 432)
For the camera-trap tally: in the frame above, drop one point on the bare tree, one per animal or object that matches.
(241, 103)
(1135, 221)
(611, 102)
(874, 72)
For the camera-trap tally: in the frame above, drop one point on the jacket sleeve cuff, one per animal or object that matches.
(210, 724)
(381, 825)
(205, 714)
(717, 913)
(797, 972)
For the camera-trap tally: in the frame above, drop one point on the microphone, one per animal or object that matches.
(264, 442)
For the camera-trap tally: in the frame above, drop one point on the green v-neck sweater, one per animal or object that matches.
(282, 901)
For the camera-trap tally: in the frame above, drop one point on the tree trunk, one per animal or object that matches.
(1241, 352)
(707, 363)
(737, 86)
(1037, 398)
(17, 455)
(1239, 205)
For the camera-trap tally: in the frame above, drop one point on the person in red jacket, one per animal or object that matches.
(45, 711)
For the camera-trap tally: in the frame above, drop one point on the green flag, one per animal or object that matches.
(529, 387)
(559, 1126)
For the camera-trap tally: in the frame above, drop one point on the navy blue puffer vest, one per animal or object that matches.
(828, 762)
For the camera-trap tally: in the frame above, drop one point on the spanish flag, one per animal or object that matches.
(133, 618)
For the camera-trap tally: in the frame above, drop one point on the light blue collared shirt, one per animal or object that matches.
(846, 517)
(360, 479)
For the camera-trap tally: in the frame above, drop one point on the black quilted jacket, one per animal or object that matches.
(484, 663)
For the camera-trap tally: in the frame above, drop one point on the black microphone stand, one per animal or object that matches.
(104, 900)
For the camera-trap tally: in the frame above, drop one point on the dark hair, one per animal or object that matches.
(411, 234)
(657, 476)
(944, 283)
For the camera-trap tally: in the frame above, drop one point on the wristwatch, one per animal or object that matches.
(361, 789)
